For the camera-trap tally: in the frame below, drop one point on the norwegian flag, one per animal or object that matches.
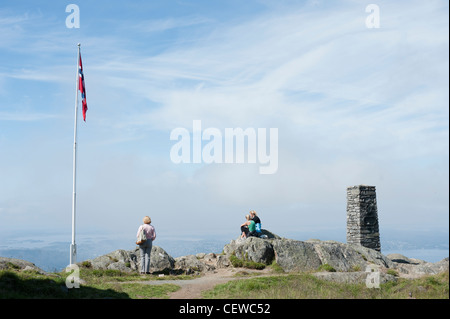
(82, 88)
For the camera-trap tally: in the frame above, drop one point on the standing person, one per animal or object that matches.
(257, 221)
(146, 247)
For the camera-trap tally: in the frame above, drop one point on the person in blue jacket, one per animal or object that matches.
(257, 221)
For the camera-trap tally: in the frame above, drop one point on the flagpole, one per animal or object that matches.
(73, 246)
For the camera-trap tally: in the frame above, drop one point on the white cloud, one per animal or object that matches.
(161, 25)
(353, 106)
(25, 117)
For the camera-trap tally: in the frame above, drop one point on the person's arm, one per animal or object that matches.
(245, 224)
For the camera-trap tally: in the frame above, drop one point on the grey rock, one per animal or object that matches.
(101, 262)
(191, 264)
(211, 257)
(418, 269)
(398, 258)
(291, 255)
(372, 256)
(269, 234)
(120, 265)
(129, 261)
(223, 261)
(294, 255)
(254, 249)
(160, 260)
(339, 256)
(18, 264)
(352, 277)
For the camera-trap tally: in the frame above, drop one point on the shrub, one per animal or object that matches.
(326, 267)
(392, 272)
(276, 267)
(356, 268)
(236, 262)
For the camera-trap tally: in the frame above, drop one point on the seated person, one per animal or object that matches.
(257, 221)
(248, 228)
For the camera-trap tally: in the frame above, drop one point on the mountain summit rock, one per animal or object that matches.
(291, 255)
(329, 260)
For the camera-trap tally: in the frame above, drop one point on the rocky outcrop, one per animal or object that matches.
(344, 262)
(327, 260)
(295, 255)
(129, 261)
(411, 267)
(192, 264)
(252, 249)
(18, 264)
(345, 257)
(347, 263)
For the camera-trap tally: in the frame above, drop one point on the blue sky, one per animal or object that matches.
(352, 105)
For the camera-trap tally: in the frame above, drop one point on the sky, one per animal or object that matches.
(352, 104)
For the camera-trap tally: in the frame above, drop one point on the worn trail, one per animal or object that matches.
(193, 288)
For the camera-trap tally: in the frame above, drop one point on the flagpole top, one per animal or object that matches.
(79, 44)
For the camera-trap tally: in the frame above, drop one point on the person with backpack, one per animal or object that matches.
(257, 221)
(145, 236)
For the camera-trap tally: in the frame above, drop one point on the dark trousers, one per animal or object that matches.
(248, 233)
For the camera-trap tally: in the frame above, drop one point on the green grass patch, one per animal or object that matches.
(276, 268)
(306, 286)
(326, 267)
(236, 262)
(145, 291)
(95, 285)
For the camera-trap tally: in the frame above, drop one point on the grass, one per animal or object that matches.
(326, 267)
(236, 262)
(144, 291)
(97, 284)
(100, 284)
(306, 286)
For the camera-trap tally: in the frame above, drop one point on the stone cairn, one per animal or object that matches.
(362, 217)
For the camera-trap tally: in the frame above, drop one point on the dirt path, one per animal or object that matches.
(193, 288)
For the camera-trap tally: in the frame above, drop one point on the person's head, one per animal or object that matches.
(247, 217)
(147, 220)
(253, 213)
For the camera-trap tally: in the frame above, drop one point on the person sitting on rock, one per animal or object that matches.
(248, 228)
(257, 221)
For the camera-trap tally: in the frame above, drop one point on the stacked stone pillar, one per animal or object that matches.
(362, 217)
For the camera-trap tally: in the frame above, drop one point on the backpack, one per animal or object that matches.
(141, 237)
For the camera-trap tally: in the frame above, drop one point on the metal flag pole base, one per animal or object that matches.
(73, 254)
